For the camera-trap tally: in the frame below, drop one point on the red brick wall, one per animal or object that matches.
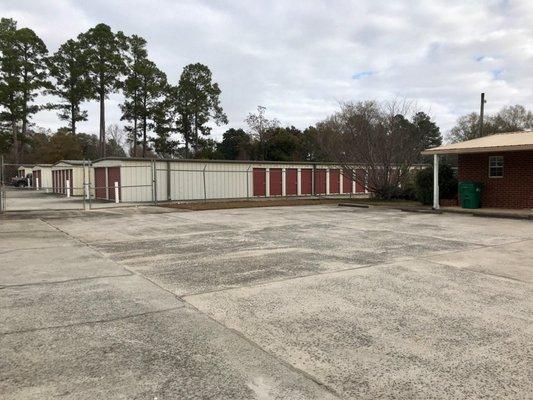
(514, 190)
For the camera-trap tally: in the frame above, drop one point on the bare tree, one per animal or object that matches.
(117, 136)
(259, 127)
(374, 137)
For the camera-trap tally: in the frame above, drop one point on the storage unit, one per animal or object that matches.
(291, 180)
(72, 171)
(306, 181)
(24, 170)
(276, 182)
(320, 181)
(139, 180)
(334, 181)
(42, 177)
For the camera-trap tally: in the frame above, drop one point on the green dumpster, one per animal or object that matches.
(470, 194)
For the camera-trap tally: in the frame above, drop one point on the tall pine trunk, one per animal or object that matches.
(144, 123)
(144, 136)
(102, 124)
(73, 119)
(135, 136)
(15, 141)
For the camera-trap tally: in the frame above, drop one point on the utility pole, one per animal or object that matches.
(481, 111)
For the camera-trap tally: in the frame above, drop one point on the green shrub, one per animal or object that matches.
(424, 184)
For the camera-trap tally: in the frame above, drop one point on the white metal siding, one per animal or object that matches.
(223, 180)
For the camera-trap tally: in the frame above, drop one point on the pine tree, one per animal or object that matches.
(23, 73)
(105, 57)
(69, 67)
(197, 102)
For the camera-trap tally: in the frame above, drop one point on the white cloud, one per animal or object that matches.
(300, 59)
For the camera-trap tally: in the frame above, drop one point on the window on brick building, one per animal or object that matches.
(496, 167)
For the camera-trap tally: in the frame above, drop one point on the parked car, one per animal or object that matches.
(21, 181)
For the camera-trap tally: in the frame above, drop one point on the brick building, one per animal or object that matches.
(503, 163)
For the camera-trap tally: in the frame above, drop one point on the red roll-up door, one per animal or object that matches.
(307, 181)
(291, 181)
(113, 175)
(359, 180)
(259, 184)
(346, 184)
(99, 183)
(275, 182)
(54, 181)
(62, 180)
(320, 181)
(334, 181)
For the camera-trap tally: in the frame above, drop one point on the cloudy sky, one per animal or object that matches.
(300, 59)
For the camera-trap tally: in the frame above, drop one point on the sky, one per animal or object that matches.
(301, 59)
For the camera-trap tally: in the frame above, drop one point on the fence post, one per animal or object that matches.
(248, 181)
(117, 199)
(36, 183)
(154, 182)
(1, 170)
(67, 187)
(169, 182)
(84, 194)
(205, 188)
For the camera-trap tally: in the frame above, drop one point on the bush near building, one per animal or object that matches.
(423, 183)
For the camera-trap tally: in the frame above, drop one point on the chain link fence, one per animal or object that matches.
(78, 185)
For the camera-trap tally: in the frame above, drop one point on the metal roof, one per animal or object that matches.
(72, 162)
(213, 161)
(512, 141)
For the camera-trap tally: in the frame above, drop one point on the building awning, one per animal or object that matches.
(512, 141)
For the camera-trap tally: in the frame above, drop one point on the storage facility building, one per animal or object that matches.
(139, 180)
(72, 174)
(501, 163)
(42, 176)
(24, 170)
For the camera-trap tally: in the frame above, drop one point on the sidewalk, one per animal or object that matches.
(492, 212)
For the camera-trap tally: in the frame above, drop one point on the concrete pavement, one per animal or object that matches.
(284, 303)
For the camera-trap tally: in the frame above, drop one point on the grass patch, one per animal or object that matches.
(221, 205)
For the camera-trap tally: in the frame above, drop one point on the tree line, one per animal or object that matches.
(174, 121)
(92, 66)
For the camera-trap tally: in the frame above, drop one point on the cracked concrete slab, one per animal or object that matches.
(260, 252)
(512, 261)
(66, 261)
(409, 329)
(32, 307)
(179, 354)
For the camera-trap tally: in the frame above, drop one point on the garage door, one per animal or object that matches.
(259, 184)
(99, 183)
(62, 179)
(359, 180)
(320, 181)
(113, 175)
(291, 181)
(334, 181)
(307, 180)
(275, 182)
(346, 184)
